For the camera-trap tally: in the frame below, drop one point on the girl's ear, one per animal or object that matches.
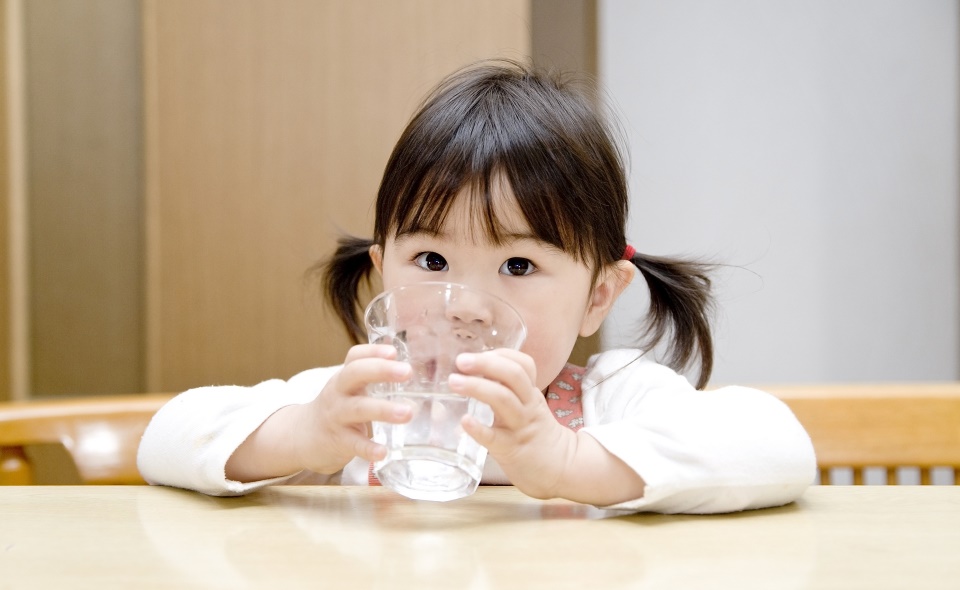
(610, 284)
(376, 256)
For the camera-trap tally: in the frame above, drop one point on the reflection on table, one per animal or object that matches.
(138, 536)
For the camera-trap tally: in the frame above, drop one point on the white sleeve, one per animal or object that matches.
(188, 442)
(724, 450)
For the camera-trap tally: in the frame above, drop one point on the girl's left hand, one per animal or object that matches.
(532, 448)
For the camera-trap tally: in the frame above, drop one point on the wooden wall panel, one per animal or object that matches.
(564, 34)
(84, 174)
(564, 37)
(14, 341)
(6, 349)
(267, 128)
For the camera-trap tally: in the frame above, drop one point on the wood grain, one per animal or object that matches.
(267, 128)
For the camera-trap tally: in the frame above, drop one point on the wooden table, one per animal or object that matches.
(340, 537)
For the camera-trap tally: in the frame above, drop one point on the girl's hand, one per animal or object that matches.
(533, 449)
(328, 432)
(335, 426)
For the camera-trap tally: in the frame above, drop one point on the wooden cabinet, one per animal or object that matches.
(267, 127)
(172, 168)
(184, 162)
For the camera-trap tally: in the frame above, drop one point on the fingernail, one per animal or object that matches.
(466, 360)
(455, 381)
(386, 351)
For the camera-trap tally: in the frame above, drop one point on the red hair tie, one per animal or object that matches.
(628, 252)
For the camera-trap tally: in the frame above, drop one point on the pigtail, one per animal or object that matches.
(342, 275)
(680, 301)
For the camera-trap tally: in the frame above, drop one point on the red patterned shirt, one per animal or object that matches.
(563, 397)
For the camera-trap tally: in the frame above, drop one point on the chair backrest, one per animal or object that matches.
(890, 425)
(100, 433)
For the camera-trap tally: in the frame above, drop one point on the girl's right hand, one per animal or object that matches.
(328, 432)
(335, 427)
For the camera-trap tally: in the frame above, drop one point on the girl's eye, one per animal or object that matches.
(518, 267)
(430, 261)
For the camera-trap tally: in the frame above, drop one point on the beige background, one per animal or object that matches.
(187, 161)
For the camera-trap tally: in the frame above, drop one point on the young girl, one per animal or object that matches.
(508, 180)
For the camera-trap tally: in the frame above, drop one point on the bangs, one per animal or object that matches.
(483, 130)
(487, 193)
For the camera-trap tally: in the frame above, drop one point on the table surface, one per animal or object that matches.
(355, 537)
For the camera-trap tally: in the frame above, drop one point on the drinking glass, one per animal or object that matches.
(431, 457)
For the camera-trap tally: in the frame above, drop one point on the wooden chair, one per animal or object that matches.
(891, 425)
(101, 435)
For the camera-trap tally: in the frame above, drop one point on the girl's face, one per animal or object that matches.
(552, 291)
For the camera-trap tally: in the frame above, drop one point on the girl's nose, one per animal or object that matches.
(470, 308)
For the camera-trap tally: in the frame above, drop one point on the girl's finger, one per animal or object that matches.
(366, 449)
(357, 374)
(508, 409)
(484, 435)
(384, 351)
(524, 360)
(361, 409)
(503, 368)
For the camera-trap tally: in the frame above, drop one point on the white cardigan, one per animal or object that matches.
(723, 450)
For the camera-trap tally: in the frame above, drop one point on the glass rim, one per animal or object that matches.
(448, 285)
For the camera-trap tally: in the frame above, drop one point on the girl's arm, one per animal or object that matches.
(188, 442)
(541, 457)
(326, 433)
(232, 440)
(650, 441)
(724, 450)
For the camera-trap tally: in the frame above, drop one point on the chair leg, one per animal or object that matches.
(825, 476)
(15, 468)
(858, 476)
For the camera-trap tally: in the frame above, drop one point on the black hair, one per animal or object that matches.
(543, 134)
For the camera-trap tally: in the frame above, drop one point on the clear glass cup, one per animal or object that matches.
(431, 457)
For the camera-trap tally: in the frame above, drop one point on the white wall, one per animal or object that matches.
(814, 146)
